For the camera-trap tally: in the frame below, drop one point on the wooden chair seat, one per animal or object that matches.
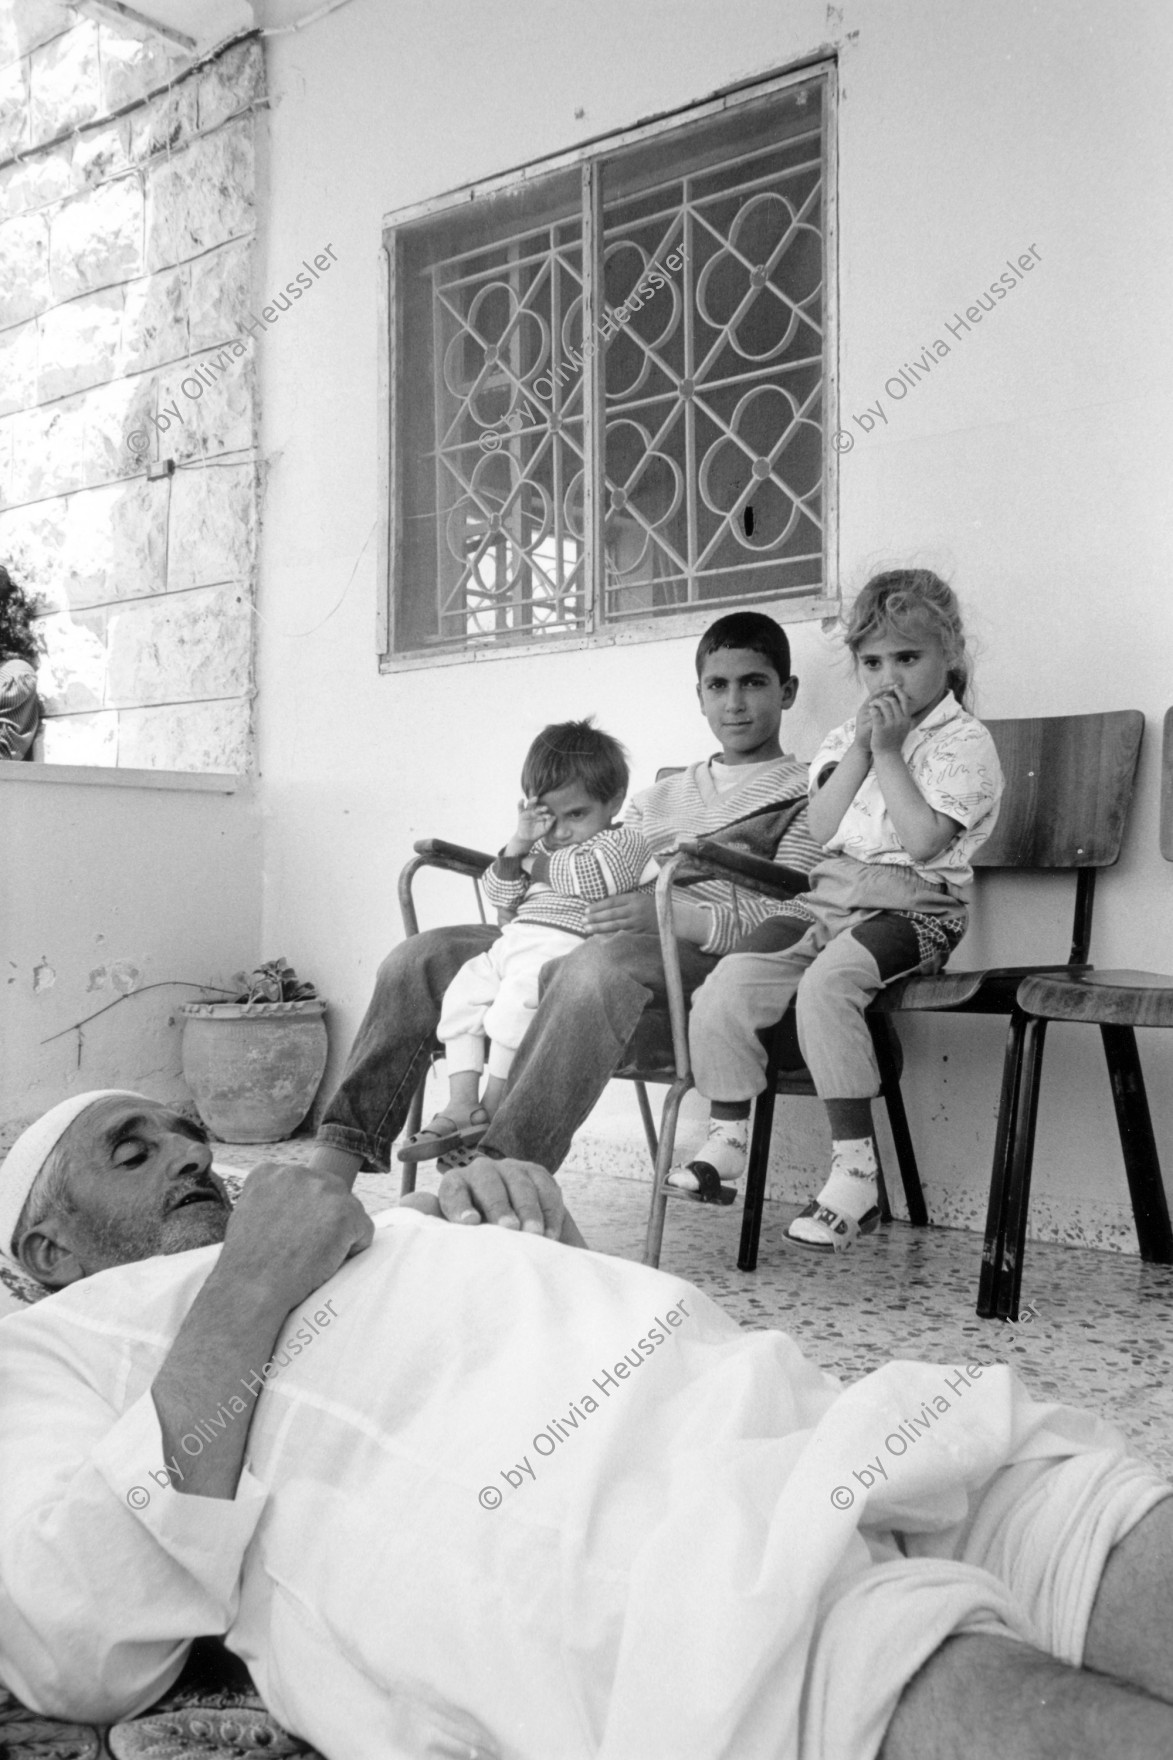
(1123, 998)
(981, 992)
(649, 1055)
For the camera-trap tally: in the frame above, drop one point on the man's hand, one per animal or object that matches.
(533, 821)
(633, 911)
(513, 1194)
(290, 1231)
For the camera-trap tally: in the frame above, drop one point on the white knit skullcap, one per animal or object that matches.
(30, 1152)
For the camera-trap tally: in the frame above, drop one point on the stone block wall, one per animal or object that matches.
(128, 419)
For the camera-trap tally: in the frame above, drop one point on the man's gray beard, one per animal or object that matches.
(178, 1231)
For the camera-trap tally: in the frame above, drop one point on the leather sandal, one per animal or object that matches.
(709, 1187)
(465, 1156)
(841, 1231)
(427, 1144)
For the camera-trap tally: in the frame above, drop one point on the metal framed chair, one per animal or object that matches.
(1069, 783)
(449, 858)
(658, 1051)
(786, 1073)
(1117, 1002)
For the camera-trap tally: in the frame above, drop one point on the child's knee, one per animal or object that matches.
(836, 983)
(718, 1001)
(583, 969)
(595, 968)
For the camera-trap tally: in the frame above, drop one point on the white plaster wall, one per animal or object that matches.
(116, 888)
(1031, 466)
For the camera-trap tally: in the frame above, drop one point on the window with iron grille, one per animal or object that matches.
(607, 382)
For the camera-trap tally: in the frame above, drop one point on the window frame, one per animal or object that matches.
(590, 157)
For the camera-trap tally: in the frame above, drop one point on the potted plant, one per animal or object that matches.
(254, 1064)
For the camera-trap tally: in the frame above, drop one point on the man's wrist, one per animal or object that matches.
(247, 1287)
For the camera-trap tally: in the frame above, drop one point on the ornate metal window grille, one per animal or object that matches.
(609, 383)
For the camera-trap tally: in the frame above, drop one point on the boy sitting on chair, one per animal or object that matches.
(594, 998)
(566, 851)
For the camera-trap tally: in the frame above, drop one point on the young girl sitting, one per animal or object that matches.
(566, 851)
(902, 796)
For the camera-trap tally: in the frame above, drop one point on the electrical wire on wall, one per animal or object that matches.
(277, 30)
(299, 634)
(163, 984)
(300, 24)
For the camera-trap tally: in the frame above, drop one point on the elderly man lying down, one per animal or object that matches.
(468, 1491)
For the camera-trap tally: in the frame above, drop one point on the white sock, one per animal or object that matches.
(852, 1188)
(726, 1148)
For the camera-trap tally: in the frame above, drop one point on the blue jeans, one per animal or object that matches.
(591, 1004)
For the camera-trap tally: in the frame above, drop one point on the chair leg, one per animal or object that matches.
(883, 1034)
(995, 1241)
(649, 1123)
(659, 1204)
(1009, 1286)
(415, 1113)
(759, 1155)
(1141, 1163)
(883, 1203)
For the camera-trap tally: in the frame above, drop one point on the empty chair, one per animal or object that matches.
(1117, 1002)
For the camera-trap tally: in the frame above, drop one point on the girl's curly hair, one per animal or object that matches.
(910, 601)
(18, 639)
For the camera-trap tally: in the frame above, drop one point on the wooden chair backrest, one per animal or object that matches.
(1069, 781)
(1166, 789)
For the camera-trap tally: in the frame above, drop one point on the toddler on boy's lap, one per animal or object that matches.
(565, 852)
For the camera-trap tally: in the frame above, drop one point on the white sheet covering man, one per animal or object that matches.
(468, 1491)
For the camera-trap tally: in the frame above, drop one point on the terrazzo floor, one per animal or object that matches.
(1101, 1335)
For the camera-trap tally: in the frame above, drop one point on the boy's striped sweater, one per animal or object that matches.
(689, 805)
(615, 860)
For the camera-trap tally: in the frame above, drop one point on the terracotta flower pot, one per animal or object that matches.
(253, 1067)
